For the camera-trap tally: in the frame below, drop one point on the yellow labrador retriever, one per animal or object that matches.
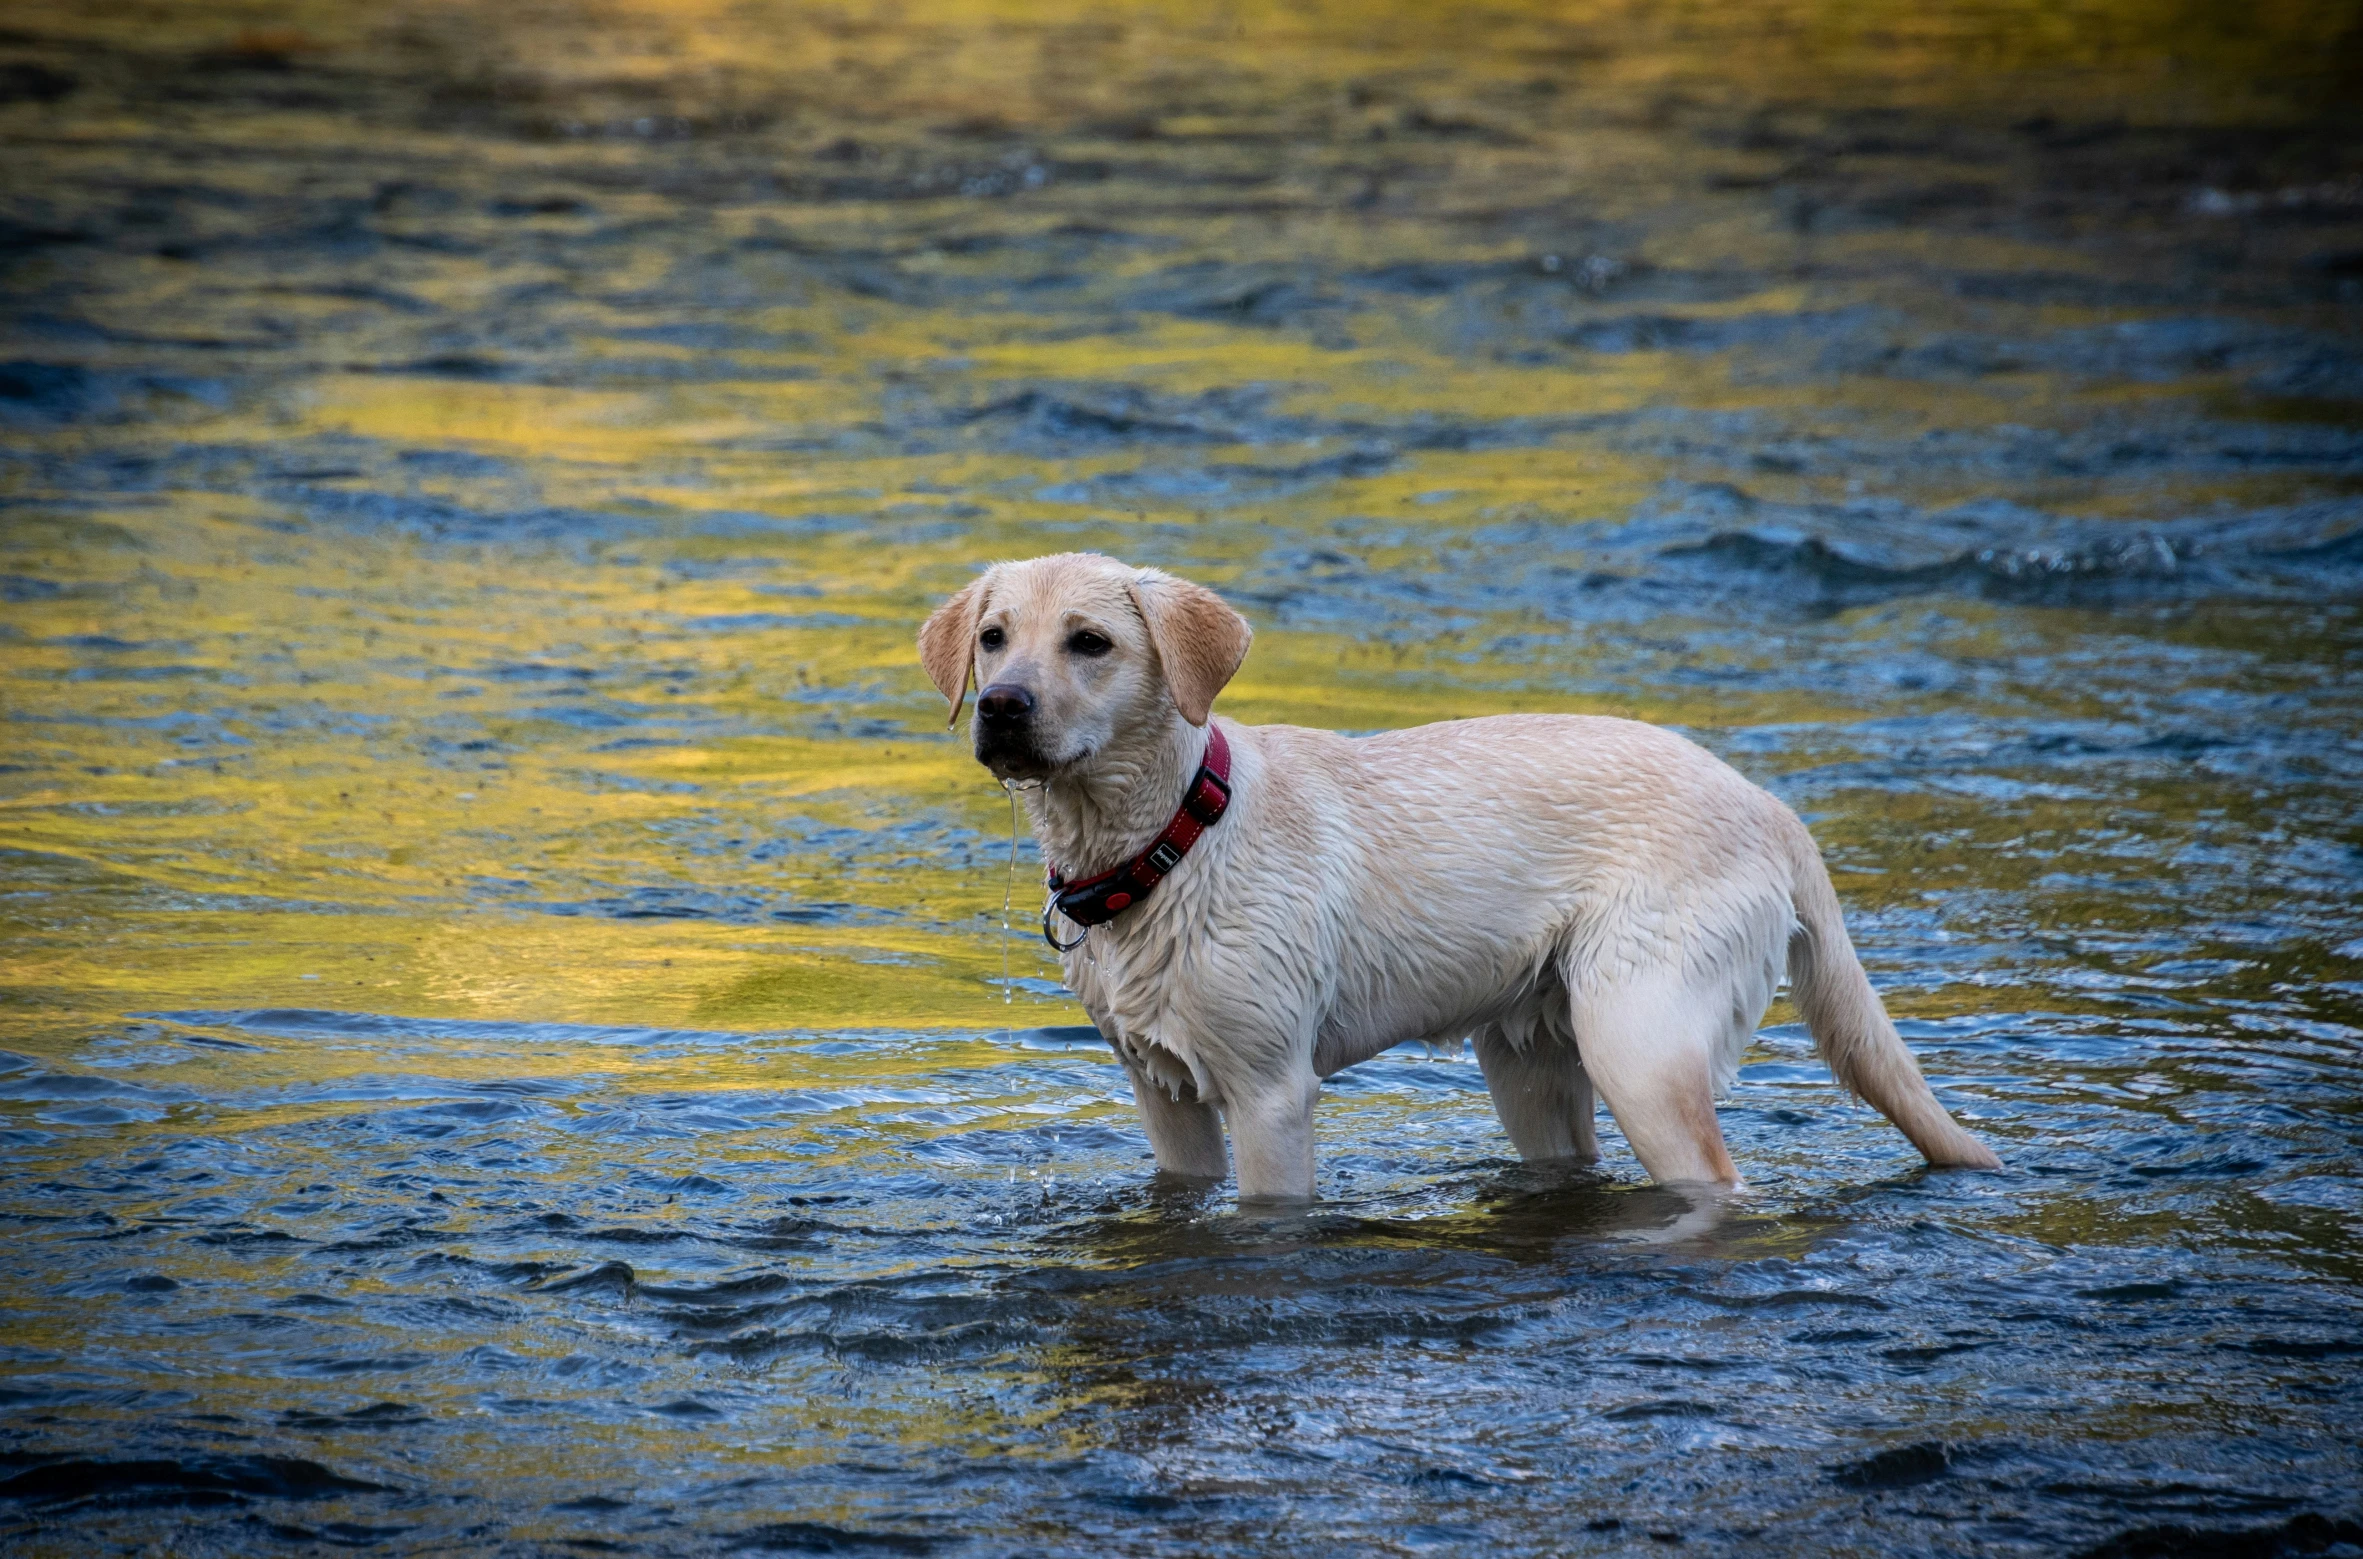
(1247, 909)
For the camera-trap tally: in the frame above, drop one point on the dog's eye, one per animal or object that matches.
(991, 638)
(1089, 643)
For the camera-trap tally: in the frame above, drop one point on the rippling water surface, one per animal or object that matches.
(509, 1043)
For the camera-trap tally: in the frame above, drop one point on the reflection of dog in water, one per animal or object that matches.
(1247, 909)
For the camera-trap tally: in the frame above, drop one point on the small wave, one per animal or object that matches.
(2095, 572)
(197, 1479)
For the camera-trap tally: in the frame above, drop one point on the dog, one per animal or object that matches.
(1597, 903)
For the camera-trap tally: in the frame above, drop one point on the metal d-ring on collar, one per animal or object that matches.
(1049, 907)
(1097, 900)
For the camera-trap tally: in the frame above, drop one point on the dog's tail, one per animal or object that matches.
(1852, 1030)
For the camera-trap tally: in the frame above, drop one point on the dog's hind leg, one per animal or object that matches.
(1540, 1092)
(1655, 1044)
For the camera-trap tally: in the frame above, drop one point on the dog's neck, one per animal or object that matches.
(1101, 814)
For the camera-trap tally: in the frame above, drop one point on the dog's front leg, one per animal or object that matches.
(1271, 1121)
(1185, 1134)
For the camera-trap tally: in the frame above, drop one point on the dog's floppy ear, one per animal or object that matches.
(947, 644)
(1200, 640)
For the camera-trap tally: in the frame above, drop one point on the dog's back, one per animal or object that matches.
(1596, 883)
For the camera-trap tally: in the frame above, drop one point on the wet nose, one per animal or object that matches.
(1004, 705)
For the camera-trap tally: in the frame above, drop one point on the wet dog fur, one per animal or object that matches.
(1598, 904)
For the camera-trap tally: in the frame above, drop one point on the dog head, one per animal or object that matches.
(1073, 655)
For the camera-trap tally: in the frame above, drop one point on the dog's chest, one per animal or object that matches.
(1134, 981)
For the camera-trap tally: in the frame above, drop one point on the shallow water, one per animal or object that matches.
(509, 1040)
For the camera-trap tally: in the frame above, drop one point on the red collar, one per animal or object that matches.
(1097, 900)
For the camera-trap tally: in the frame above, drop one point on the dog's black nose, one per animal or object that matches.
(1004, 705)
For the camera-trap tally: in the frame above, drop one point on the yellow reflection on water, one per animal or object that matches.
(342, 765)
